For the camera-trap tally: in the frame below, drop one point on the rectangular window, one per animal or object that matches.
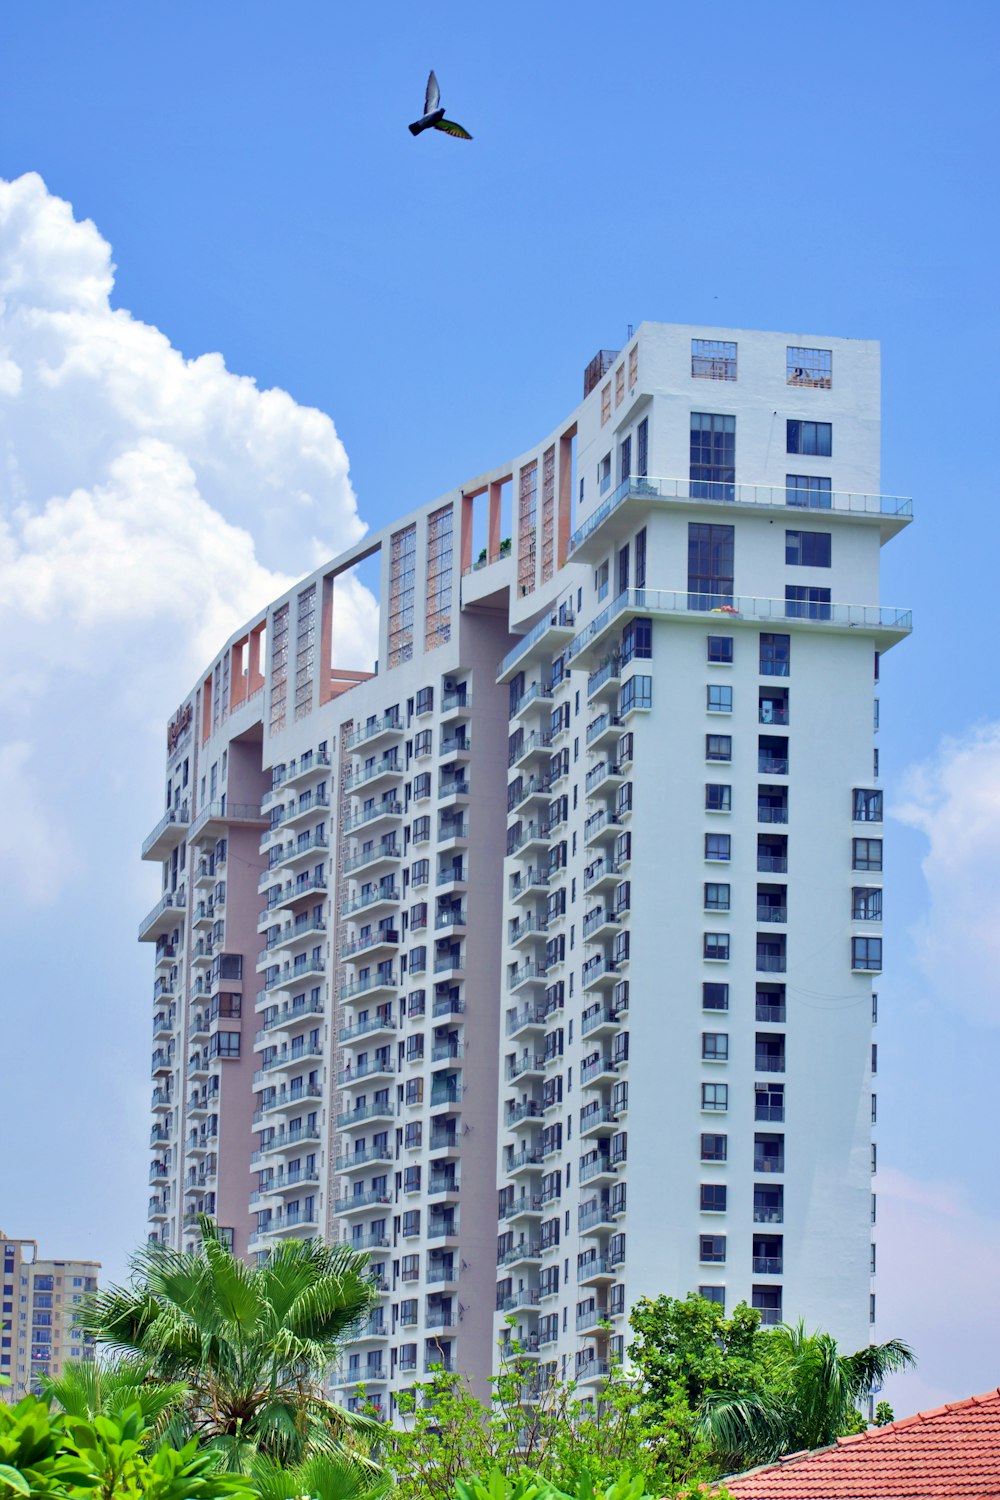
(718, 797)
(866, 954)
(775, 654)
(713, 1197)
(710, 565)
(812, 438)
(642, 455)
(809, 367)
(804, 603)
(720, 649)
(637, 641)
(715, 1096)
(719, 698)
(867, 854)
(640, 559)
(808, 549)
(606, 403)
(424, 701)
(439, 574)
(713, 1294)
(715, 1046)
(402, 583)
(718, 846)
(636, 692)
(718, 747)
(713, 456)
(715, 946)
(808, 490)
(867, 805)
(712, 1248)
(715, 996)
(866, 903)
(713, 359)
(716, 896)
(714, 1147)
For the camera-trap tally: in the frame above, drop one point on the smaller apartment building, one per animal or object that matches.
(38, 1314)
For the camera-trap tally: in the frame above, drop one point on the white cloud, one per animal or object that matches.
(955, 802)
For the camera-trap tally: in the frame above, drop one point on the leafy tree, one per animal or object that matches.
(251, 1344)
(810, 1399)
(687, 1346)
(92, 1388)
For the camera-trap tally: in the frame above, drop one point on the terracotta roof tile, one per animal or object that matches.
(952, 1452)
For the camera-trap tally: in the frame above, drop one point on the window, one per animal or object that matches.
(642, 457)
(866, 954)
(713, 456)
(867, 854)
(710, 565)
(719, 698)
(809, 367)
(604, 474)
(715, 1046)
(640, 559)
(713, 1197)
(720, 650)
(867, 805)
(767, 1301)
(866, 903)
(714, 996)
(713, 1294)
(425, 701)
(714, 1147)
(804, 603)
(812, 438)
(606, 403)
(718, 845)
(809, 490)
(718, 747)
(637, 692)
(775, 654)
(715, 1096)
(601, 581)
(713, 359)
(716, 897)
(808, 549)
(718, 797)
(712, 1248)
(715, 946)
(637, 640)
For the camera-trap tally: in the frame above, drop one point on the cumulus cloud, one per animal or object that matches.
(148, 504)
(954, 801)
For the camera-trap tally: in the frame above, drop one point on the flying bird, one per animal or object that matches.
(433, 115)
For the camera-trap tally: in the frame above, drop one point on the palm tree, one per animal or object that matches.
(98, 1388)
(810, 1399)
(251, 1344)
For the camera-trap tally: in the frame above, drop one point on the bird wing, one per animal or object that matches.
(432, 98)
(450, 128)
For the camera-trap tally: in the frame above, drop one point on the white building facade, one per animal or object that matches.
(577, 900)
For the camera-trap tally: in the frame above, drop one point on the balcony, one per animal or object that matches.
(373, 1027)
(529, 1065)
(601, 827)
(606, 680)
(169, 909)
(766, 912)
(386, 852)
(356, 1202)
(599, 1020)
(603, 779)
(601, 875)
(595, 1166)
(594, 1271)
(528, 884)
(376, 731)
(553, 628)
(527, 1253)
(539, 694)
(168, 833)
(598, 1119)
(768, 1163)
(383, 896)
(282, 895)
(375, 985)
(529, 973)
(533, 791)
(525, 1109)
(597, 1069)
(387, 811)
(885, 625)
(216, 817)
(310, 763)
(355, 1160)
(602, 730)
(385, 940)
(767, 1265)
(528, 1018)
(623, 510)
(527, 1206)
(308, 804)
(379, 1067)
(530, 838)
(457, 704)
(601, 923)
(600, 972)
(387, 769)
(534, 747)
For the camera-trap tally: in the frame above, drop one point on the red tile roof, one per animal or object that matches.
(951, 1453)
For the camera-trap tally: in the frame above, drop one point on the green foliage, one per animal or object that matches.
(250, 1344)
(55, 1456)
(884, 1414)
(324, 1476)
(688, 1346)
(533, 1486)
(91, 1388)
(810, 1398)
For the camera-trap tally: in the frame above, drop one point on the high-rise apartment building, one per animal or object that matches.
(38, 1311)
(576, 898)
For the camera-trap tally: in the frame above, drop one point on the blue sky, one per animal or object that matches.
(802, 167)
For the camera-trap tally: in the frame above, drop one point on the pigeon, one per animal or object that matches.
(433, 115)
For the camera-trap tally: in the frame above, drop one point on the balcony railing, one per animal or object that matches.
(648, 488)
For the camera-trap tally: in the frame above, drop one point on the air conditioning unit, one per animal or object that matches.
(449, 684)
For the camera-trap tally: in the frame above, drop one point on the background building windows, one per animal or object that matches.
(713, 1198)
(713, 359)
(716, 896)
(809, 367)
(866, 954)
(714, 996)
(867, 854)
(775, 654)
(718, 747)
(719, 698)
